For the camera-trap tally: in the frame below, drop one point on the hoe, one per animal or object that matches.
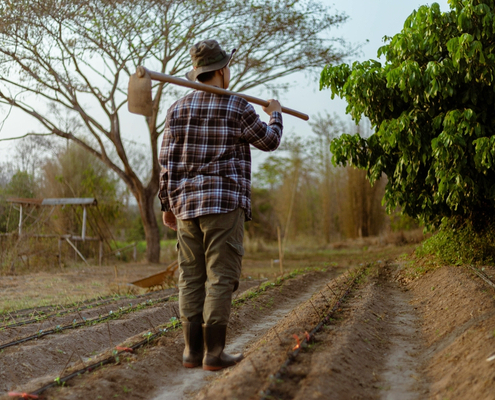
(139, 92)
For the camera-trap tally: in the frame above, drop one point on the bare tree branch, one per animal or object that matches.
(76, 56)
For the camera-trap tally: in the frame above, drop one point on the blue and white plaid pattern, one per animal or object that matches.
(205, 154)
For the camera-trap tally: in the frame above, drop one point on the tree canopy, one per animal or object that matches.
(66, 63)
(431, 107)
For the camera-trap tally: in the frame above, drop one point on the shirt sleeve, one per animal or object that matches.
(163, 192)
(265, 137)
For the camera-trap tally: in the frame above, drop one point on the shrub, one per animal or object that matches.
(460, 244)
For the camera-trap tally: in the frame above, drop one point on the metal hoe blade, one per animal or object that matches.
(139, 99)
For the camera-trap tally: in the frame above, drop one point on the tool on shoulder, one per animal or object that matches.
(139, 99)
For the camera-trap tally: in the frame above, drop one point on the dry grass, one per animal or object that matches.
(74, 284)
(79, 282)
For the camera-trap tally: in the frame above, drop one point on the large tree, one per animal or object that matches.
(64, 60)
(431, 105)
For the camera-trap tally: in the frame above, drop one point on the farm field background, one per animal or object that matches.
(389, 325)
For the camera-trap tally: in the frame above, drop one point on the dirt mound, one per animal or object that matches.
(458, 325)
(346, 360)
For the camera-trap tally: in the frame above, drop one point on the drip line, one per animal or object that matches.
(88, 322)
(267, 394)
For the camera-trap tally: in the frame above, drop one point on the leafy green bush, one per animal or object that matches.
(431, 106)
(459, 245)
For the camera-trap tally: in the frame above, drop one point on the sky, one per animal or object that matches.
(369, 21)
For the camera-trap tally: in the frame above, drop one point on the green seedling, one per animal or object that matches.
(148, 335)
(115, 355)
(175, 321)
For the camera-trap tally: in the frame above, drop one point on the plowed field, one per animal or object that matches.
(364, 332)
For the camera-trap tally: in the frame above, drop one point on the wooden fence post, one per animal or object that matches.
(280, 251)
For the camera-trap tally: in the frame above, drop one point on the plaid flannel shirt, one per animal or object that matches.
(205, 154)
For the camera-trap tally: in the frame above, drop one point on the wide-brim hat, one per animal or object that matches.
(207, 56)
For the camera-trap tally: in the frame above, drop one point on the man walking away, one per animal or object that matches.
(205, 193)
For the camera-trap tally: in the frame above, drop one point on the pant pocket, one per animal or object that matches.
(237, 247)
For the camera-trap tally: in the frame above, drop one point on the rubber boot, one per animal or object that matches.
(193, 339)
(214, 340)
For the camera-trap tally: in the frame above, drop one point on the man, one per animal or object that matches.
(205, 192)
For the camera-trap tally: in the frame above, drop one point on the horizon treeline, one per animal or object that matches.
(296, 190)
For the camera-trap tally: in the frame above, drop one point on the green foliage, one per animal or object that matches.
(135, 230)
(265, 222)
(300, 189)
(20, 185)
(401, 222)
(431, 107)
(459, 245)
(74, 172)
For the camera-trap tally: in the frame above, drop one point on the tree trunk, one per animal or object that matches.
(152, 233)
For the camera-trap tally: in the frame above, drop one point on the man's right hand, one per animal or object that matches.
(169, 220)
(273, 105)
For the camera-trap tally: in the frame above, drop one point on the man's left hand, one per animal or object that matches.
(169, 220)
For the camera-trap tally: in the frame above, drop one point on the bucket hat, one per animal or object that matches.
(207, 56)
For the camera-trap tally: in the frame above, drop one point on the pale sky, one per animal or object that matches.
(368, 20)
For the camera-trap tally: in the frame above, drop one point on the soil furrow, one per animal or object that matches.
(265, 356)
(76, 321)
(54, 351)
(157, 369)
(395, 338)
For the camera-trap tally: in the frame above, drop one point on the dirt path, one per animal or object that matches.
(393, 338)
(185, 383)
(359, 354)
(402, 376)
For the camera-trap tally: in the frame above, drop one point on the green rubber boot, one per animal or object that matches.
(193, 339)
(214, 341)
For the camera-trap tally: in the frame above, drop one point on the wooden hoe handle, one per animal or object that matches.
(157, 76)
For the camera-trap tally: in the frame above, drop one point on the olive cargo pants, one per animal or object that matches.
(210, 258)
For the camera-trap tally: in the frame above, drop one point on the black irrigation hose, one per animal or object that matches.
(106, 361)
(88, 322)
(267, 394)
(65, 312)
(42, 309)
